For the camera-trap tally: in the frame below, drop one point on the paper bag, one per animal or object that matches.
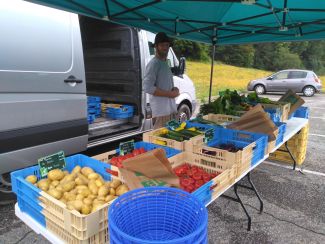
(292, 98)
(151, 168)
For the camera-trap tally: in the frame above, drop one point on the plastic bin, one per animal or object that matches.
(93, 99)
(302, 112)
(281, 130)
(42, 207)
(158, 215)
(274, 115)
(123, 112)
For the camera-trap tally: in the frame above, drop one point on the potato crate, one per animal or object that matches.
(101, 237)
(82, 227)
(154, 137)
(216, 185)
(114, 171)
(253, 147)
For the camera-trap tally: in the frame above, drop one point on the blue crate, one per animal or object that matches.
(170, 152)
(302, 112)
(274, 115)
(91, 118)
(123, 112)
(282, 129)
(241, 139)
(93, 99)
(201, 127)
(94, 105)
(160, 215)
(204, 194)
(28, 194)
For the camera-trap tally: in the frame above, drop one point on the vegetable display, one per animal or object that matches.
(180, 134)
(82, 190)
(192, 177)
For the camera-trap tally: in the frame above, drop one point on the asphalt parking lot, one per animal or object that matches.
(294, 201)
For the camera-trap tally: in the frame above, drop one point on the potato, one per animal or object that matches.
(87, 201)
(59, 188)
(85, 192)
(93, 176)
(69, 196)
(55, 193)
(80, 197)
(70, 205)
(81, 187)
(66, 172)
(115, 183)
(109, 198)
(112, 192)
(55, 183)
(122, 189)
(93, 188)
(77, 204)
(99, 182)
(76, 170)
(51, 187)
(97, 205)
(101, 198)
(55, 174)
(92, 197)
(68, 186)
(86, 209)
(86, 171)
(31, 179)
(74, 191)
(103, 191)
(62, 199)
(43, 184)
(81, 180)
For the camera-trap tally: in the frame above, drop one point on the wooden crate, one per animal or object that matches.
(221, 118)
(154, 137)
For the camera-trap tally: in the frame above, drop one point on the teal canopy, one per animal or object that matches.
(219, 22)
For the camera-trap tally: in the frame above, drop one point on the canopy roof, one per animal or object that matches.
(219, 21)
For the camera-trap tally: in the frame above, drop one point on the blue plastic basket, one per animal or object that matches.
(123, 112)
(241, 139)
(302, 112)
(282, 129)
(93, 99)
(91, 118)
(170, 152)
(274, 115)
(94, 105)
(157, 215)
(28, 194)
(204, 193)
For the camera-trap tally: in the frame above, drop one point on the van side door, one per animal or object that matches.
(42, 84)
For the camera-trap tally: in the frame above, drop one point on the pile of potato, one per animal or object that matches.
(82, 190)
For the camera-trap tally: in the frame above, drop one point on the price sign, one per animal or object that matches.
(208, 135)
(54, 161)
(126, 147)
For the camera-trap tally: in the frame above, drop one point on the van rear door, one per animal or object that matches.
(42, 84)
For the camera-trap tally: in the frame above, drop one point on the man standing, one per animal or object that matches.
(158, 82)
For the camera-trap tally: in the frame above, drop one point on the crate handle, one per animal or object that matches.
(213, 186)
(112, 172)
(243, 135)
(208, 152)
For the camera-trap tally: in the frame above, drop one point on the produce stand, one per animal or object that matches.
(294, 125)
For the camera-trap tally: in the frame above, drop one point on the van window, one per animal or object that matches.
(297, 75)
(47, 45)
(151, 48)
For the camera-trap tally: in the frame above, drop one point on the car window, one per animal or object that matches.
(281, 75)
(297, 75)
(151, 48)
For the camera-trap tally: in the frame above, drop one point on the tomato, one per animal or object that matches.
(114, 160)
(198, 184)
(190, 188)
(197, 176)
(178, 171)
(189, 172)
(192, 181)
(142, 150)
(136, 152)
(185, 182)
(206, 178)
(213, 175)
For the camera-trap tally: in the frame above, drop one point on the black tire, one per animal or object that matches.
(6, 194)
(183, 113)
(309, 91)
(259, 89)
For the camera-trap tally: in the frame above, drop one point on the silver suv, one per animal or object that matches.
(304, 81)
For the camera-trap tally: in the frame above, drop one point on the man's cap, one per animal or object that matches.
(162, 37)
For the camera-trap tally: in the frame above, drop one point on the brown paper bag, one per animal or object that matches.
(153, 165)
(292, 98)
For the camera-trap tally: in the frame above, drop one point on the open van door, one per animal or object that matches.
(42, 84)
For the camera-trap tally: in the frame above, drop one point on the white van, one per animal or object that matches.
(50, 61)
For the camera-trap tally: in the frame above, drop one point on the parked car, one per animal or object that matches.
(299, 81)
(50, 61)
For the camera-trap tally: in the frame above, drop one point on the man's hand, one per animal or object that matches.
(174, 92)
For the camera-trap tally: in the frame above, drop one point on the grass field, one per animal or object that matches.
(224, 76)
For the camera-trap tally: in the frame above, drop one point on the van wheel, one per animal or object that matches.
(259, 89)
(184, 113)
(308, 91)
(6, 194)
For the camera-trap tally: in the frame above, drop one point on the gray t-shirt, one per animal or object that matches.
(159, 75)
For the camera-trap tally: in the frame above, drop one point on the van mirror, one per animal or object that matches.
(182, 65)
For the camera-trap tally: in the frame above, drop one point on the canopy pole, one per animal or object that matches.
(212, 65)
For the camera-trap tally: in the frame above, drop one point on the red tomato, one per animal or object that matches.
(178, 171)
(189, 173)
(114, 161)
(190, 188)
(185, 182)
(206, 178)
(197, 176)
(136, 152)
(198, 184)
(192, 181)
(142, 150)
(213, 175)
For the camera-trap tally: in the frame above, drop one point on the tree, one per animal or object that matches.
(238, 55)
(191, 50)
